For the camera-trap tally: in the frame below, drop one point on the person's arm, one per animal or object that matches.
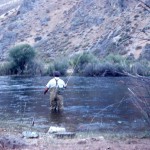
(46, 89)
(48, 85)
(65, 85)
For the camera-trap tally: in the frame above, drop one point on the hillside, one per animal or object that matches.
(65, 27)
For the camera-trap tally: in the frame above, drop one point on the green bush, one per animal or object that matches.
(8, 68)
(35, 68)
(20, 57)
(22, 62)
(58, 65)
(81, 60)
(95, 69)
(51, 69)
(114, 58)
(105, 69)
(140, 68)
(89, 70)
(5, 68)
(112, 69)
(112, 65)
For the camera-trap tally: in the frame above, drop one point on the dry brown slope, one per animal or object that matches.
(65, 27)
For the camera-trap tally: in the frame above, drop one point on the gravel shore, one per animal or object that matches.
(12, 138)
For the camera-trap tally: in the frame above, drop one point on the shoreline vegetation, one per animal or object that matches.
(23, 60)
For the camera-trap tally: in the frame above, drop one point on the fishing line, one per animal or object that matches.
(74, 68)
(85, 35)
(109, 106)
(136, 103)
(123, 100)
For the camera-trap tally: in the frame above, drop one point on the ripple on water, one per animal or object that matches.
(88, 104)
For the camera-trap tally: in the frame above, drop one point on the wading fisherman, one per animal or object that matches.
(56, 86)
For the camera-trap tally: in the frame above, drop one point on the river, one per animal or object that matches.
(90, 104)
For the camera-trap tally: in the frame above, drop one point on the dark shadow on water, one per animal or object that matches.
(56, 117)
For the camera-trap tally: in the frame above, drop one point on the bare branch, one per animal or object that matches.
(137, 104)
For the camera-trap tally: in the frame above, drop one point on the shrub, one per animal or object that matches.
(99, 69)
(58, 65)
(21, 56)
(8, 68)
(145, 52)
(35, 68)
(109, 69)
(114, 58)
(140, 68)
(80, 61)
(112, 65)
(105, 69)
(5, 68)
(89, 70)
(51, 69)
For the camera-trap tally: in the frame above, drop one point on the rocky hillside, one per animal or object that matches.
(66, 27)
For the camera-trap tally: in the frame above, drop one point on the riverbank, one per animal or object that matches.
(11, 137)
(14, 140)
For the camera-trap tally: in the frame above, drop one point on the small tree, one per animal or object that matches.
(21, 55)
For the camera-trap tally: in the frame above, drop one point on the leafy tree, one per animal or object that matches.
(21, 56)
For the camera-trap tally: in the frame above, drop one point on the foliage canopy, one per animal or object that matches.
(21, 56)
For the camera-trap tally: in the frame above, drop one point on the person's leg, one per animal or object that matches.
(53, 102)
(60, 102)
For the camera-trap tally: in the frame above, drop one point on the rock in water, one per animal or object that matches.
(30, 134)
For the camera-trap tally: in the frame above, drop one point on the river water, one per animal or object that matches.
(91, 104)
